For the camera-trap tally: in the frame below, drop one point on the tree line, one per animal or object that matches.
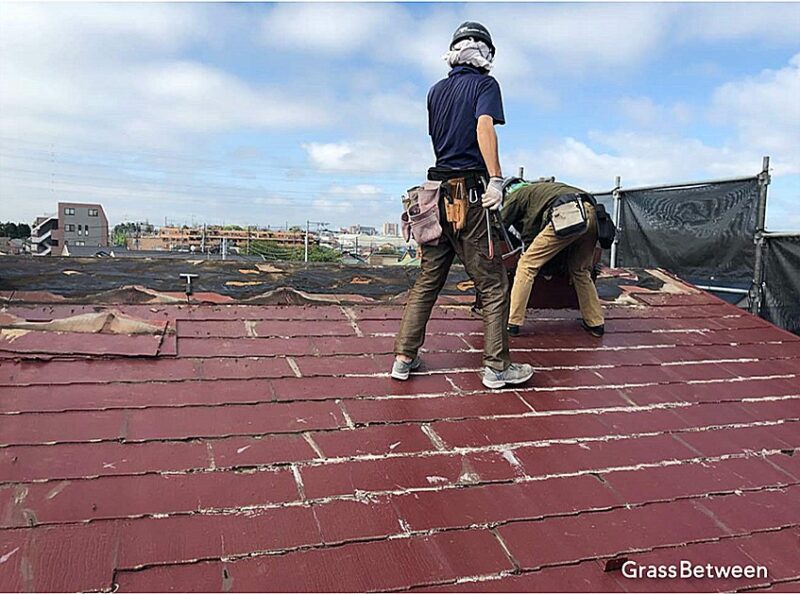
(15, 230)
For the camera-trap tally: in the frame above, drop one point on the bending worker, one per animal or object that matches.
(528, 210)
(462, 112)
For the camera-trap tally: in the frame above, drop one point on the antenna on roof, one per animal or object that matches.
(188, 276)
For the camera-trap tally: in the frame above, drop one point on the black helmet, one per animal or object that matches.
(475, 30)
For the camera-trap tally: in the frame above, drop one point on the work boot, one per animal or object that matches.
(596, 331)
(516, 373)
(401, 369)
(512, 330)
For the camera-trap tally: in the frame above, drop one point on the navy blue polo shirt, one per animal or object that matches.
(454, 105)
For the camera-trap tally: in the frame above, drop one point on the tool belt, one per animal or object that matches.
(461, 188)
(568, 215)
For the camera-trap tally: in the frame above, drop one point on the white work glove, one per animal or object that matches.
(493, 196)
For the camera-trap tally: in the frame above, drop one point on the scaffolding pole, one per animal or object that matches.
(616, 194)
(757, 288)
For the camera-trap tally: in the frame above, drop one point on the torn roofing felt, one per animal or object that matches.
(92, 280)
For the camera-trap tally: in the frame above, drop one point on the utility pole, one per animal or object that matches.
(308, 224)
(305, 258)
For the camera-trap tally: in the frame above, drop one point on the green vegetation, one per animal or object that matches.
(272, 250)
(15, 230)
(121, 232)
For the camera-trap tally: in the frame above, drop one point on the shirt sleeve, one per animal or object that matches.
(490, 102)
(430, 120)
(512, 213)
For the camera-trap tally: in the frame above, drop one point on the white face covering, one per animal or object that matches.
(468, 51)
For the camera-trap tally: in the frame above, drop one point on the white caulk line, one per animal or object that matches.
(437, 441)
(293, 364)
(351, 316)
(313, 444)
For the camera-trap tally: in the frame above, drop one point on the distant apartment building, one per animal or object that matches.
(391, 229)
(203, 239)
(42, 235)
(76, 224)
(362, 230)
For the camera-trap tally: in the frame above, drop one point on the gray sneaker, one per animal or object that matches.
(401, 369)
(516, 373)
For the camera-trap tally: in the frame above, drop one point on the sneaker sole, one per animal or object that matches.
(499, 384)
(403, 378)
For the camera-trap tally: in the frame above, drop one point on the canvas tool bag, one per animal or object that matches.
(455, 202)
(420, 217)
(568, 216)
(606, 230)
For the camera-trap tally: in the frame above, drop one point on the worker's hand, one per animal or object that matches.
(493, 196)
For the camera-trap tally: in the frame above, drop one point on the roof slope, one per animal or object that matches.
(243, 447)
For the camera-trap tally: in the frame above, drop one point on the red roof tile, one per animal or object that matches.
(250, 447)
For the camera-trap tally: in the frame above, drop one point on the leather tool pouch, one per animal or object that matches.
(420, 216)
(568, 216)
(455, 202)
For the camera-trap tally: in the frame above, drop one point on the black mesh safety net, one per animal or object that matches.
(702, 233)
(780, 302)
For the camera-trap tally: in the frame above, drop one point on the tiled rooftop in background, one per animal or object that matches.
(249, 447)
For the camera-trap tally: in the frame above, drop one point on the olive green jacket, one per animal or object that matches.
(526, 207)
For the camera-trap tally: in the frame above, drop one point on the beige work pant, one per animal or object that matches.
(544, 247)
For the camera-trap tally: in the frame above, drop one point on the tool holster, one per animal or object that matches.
(455, 202)
(457, 187)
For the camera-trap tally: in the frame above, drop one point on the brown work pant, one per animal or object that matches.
(579, 261)
(472, 248)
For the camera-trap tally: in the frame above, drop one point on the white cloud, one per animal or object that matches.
(644, 112)
(42, 30)
(399, 109)
(390, 156)
(359, 189)
(129, 77)
(765, 110)
(535, 41)
(364, 203)
(194, 97)
(327, 28)
(639, 158)
(769, 22)
(575, 37)
(105, 74)
(531, 38)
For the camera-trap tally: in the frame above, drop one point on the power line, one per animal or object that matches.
(342, 178)
(310, 197)
(53, 152)
(158, 183)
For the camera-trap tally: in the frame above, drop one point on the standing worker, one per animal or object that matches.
(529, 209)
(462, 112)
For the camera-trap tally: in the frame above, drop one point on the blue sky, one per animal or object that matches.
(267, 114)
